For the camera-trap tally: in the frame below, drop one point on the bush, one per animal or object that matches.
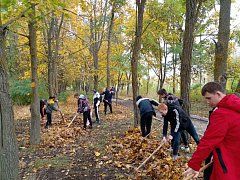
(20, 91)
(195, 93)
(64, 95)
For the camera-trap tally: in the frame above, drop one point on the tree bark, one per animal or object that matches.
(35, 106)
(8, 141)
(109, 44)
(192, 10)
(128, 76)
(221, 47)
(135, 56)
(174, 59)
(96, 37)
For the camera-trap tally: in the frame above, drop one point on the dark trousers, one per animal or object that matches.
(191, 130)
(146, 123)
(87, 116)
(184, 138)
(177, 135)
(49, 119)
(106, 103)
(207, 172)
(96, 110)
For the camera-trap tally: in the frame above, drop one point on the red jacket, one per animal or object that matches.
(223, 138)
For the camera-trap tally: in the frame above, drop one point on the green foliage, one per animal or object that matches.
(64, 95)
(195, 93)
(20, 91)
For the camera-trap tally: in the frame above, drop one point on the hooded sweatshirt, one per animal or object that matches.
(223, 138)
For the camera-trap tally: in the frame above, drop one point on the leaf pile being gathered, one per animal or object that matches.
(131, 150)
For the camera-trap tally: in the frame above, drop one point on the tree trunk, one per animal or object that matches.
(109, 45)
(8, 147)
(221, 47)
(164, 66)
(118, 85)
(96, 36)
(35, 106)
(191, 17)
(51, 78)
(148, 80)
(128, 82)
(135, 56)
(174, 72)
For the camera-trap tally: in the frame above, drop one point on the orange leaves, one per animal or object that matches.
(131, 150)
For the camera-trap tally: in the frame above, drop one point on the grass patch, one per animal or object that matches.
(57, 162)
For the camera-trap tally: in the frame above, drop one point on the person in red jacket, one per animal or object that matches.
(222, 137)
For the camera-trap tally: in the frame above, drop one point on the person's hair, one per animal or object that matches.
(51, 97)
(162, 92)
(162, 106)
(138, 97)
(76, 95)
(212, 87)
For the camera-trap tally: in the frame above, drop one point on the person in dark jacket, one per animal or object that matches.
(84, 107)
(107, 100)
(96, 104)
(169, 98)
(164, 96)
(146, 112)
(50, 106)
(221, 136)
(179, 121)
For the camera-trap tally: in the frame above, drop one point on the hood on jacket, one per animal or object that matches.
(230, 102)
(82, 96)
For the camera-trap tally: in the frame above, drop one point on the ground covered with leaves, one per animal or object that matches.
(111, 150)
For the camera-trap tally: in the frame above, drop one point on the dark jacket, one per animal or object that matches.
(83, 105)
(107, 96)
(171, 99)
(145, 106)
(178, 119)
(221, 138)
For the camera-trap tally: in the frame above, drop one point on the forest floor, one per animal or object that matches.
(111, 150)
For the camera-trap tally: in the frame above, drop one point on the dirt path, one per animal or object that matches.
(82, 157)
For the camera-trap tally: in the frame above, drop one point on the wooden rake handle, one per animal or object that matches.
(149, 157)
(201, 170)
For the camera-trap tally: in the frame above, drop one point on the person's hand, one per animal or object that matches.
(170, 137)
(191, 172)
(164, 139)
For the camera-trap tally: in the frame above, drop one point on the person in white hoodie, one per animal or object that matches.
(96, 104)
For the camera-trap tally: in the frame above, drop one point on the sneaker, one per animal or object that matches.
(185, 149)
(176, 157)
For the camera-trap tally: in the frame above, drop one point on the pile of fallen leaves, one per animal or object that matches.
(131, 150)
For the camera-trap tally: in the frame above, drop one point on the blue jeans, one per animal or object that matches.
(191, 130)
(176, 137)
